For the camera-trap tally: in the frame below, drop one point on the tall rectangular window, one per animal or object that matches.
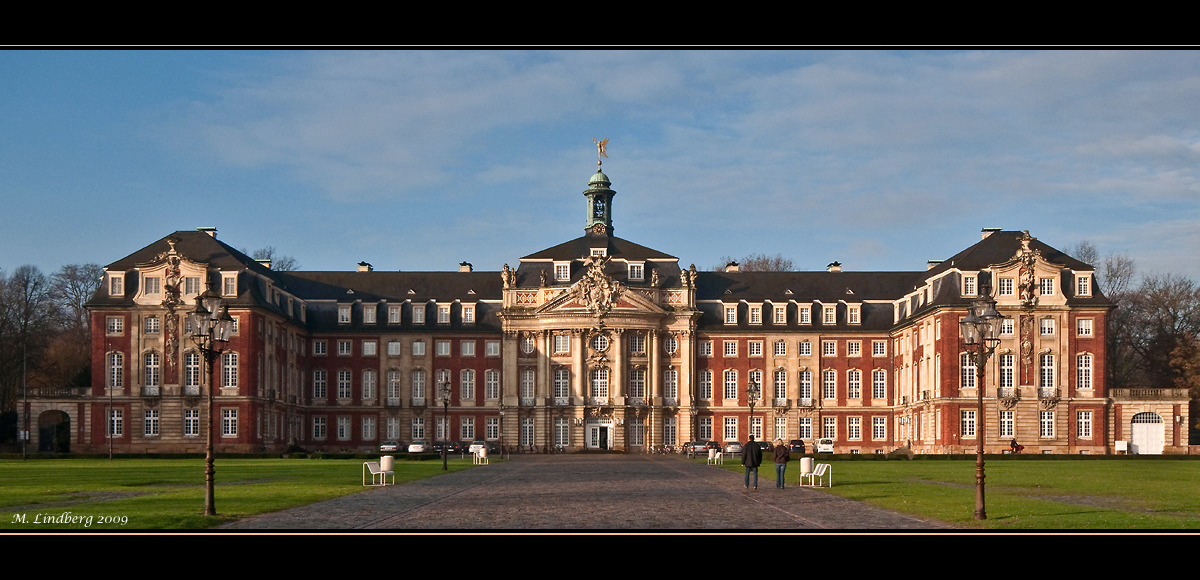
(1083, 422)
(492, 428)
(780, 384)
(418, 314)
(780, 311)
(804, 428)
(706, 428)
(116, 284)
(966, 368)
(150, 428)
(878, 384)
(879, 428)
(968, 423)
(319, 384)
(343, 384)
(368, 428)
(418, 428)
(466, 428)
(1083, 371)
(731, 315)
(467, 385)
(829, 384)
(229, 369)
(1046, 380)
(1007, 372)
(670, 431)
(526, 432)
(418, 383)
(781, 428)
(562, 432)
(343, 428)
(670, 388)
(704, 390)
(829, 427)
(1007, 423)
(854, 428)
(730, 433)
(491, 384)
(1046, 424)
(369, 311)
(229, 422)
(191, 422)
(730, 391)
(116, 422)
(854, 384)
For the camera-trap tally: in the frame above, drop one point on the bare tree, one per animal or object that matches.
(27, 312)
(70, 288)
(758, 263)
(279, 262)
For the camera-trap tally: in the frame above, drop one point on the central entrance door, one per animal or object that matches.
(599, 433)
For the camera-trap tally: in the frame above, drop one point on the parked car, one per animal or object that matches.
(733, 447)
(714, 445)
(477, 446)
(766, 446)
(797, 446)
(696, 447)
(389, 446)
(823, 445)
(417, 447)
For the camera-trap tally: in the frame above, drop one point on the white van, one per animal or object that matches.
(824, 445)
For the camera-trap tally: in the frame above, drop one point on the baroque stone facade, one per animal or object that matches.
(600, 343)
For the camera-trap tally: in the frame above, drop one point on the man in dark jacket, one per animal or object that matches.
(751, 459)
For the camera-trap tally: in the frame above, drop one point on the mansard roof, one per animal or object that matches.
(397, 286)
(616, 248)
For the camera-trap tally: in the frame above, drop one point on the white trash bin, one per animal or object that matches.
(806, 465)
(387, 463)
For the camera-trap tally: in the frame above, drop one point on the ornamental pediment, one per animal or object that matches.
(598, 293)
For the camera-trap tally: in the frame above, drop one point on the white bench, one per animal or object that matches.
(819, 474)
(378, 471)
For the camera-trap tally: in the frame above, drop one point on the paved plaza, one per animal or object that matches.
(589, 492)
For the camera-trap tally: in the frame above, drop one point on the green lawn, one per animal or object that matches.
(169, 493)
(1141, 493)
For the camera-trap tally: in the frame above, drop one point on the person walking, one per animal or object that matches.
(782, 456)
(751, 459)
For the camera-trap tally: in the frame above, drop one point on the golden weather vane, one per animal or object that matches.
(601, 149)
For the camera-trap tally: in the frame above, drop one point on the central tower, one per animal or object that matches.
(599, 204)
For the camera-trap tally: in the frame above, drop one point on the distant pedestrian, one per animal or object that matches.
(782, 456)
(751, 459)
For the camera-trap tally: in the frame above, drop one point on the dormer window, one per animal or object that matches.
(637, 272)
(468, 314)
(780, 311)
(153, 285)
(116, 285)
(805, 314)
(852, 314)
(756, 314)
(1046, 286)
(418, 314)
(229, 285)
(599, 251)
(969, 285)
(1005, 287)
(562, 271)
(443, 314)
(191, 285)
(343, 314)
(368, 313)
(731, 315)
(1083, 286)
(830, 316)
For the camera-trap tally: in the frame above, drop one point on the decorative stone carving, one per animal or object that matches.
(508, 277)
(597, 291)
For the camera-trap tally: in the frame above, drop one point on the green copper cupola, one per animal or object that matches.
(599, 204)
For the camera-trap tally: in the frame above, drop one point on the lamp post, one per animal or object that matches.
(753, 391)
(211, 327)
(980, 332)
(444, 391)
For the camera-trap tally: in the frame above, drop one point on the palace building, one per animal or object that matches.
(601, 343)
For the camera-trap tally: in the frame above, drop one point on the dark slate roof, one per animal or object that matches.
(395, 286)
(827, 287)
(582, 246)
(529, 273)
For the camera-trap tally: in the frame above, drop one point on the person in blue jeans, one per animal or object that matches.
(751, 459)
(782, 456)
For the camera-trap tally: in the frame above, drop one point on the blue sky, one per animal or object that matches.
(415, 160)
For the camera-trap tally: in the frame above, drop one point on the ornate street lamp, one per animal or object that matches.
(980, 332)
(753, 391)
(444, 391)
(211, 327)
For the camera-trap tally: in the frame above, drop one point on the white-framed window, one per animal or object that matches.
(418, 383)
(1083, 327)
(670, 345)
(229, 422)
(829, 348)
(153, 285)
(878, 384)
(418, 428)
(527, 431)
(599, 382)
(491, 348)
(191, 373)
(670, 431)
(670, 388)
(562, 343)
(418, 312)
(637, 432)
(1083, 371)
(966, 370)
(1083, 286)
(562, 432)
(116, 422)
(853, 315)
(967, 418)
(854, 348)
(969, 286)
(418, 348)
(151, 370)
(116, 284)
(600, 343)
(1004, 287)
(116, 369)
(393, 428)
(115, 325)
(754, 348)
(343, 384)
(755, 377)
(806, 383)
(1008, 327)
(343, 428)
(878, 428)
(781, 348)
(369, 382)
(730, 433)
(343, 314)
(1046, 286)
(467, 347)
(704, 384)
(441, 428)
(562, 271)
(229, 370)
(1047, 375)
(636, 271)
(756, 428)
(320, 348)
(369, 313)
(345, 347)
(368, 428)
(443, 347)
(394, 314)
(491, 426)
(829, 427)
(151, 325)
(562, 382)
(879, 348)
(467, 428)
(705, 348)
(1083, 424)
(191, 422)
(229, 285)
(780, 376)
(756, 315)
(529, 383)
(804, 348)
(804, 313)
(705, 428)
(829, 384)
(1007, 362)
(804, 428)
(443, 314)
(781, 431)
(854, 384)
(528, 344)
(1046, 326)
(730, 391)
(1008, 423)
(491, 384)
(780, 311)
(830, 315)
(468, 314)
(854, 428)
(637, 344)
(1046, 424)
(466, 385)
(319, 383)
(369, 347)
(150, 423)
(730, 348)
(731, 315)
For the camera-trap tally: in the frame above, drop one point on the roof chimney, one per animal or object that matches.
(732, 267)
(465, 267)
(931, 264)
(208, 230)
(365, 267)
(989, 231)
(834, 267)
(264, 262)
